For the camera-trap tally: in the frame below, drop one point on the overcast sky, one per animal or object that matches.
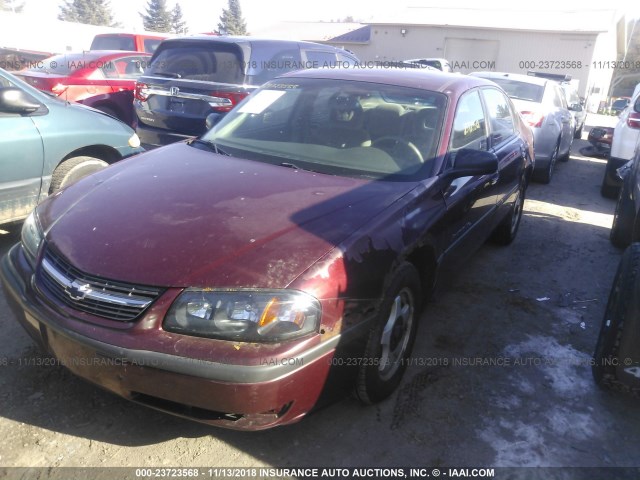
(203, 15)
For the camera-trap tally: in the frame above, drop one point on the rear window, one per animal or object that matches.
(520, 90)
(113, 42)
(210, 62)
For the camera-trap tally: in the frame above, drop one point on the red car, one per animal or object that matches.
(100, 79)
(235, 278)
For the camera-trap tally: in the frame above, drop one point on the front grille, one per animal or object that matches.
(89, 294)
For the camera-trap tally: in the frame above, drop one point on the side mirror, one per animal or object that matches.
(14, 100)
(212, 119)
(469, 162)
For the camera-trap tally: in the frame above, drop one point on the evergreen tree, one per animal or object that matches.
(90, 12)
(178, 25)
(11, 6)
(231, 21)
(157, 18)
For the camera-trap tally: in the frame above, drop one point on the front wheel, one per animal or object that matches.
(391, 338)
(620, 321)
(73, 169)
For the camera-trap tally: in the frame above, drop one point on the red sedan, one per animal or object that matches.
(238, 278)
(101, 79)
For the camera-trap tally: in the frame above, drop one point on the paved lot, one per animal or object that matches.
(501, 375)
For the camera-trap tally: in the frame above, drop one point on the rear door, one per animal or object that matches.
(21, 162)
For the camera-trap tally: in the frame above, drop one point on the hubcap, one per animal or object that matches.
(396, 334)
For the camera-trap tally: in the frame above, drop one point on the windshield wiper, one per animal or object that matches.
(210, 145)
(290, 165)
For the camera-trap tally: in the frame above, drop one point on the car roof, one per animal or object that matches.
(98, 54)
(433, 80)
(246, 40)
(514, 76)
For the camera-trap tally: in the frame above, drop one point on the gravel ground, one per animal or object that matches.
(501, 374)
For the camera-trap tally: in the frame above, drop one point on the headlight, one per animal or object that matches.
(244, 315)
(134, 141)
(31, 237)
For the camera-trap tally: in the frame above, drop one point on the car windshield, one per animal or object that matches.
(336, 127)
(520, 90)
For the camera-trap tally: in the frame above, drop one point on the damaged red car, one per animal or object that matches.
(244, 277)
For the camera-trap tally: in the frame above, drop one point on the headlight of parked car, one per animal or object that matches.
(31, 237)
(244, 315)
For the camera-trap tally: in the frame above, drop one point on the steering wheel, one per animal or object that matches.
(403, 152)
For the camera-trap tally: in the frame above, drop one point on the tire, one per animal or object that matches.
(566, 156)
(72, 170)
(624, 218)
(506, 231)
(391, 337)
(621, 316)
(607, 191)
(546, 175)
(578, 133)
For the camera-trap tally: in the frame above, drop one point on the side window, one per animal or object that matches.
(346, 61)
(469, 126)
(321, 59)
(150, 44)
(499, 114)
(128, 67)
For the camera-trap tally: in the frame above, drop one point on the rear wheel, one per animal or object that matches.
(74, 169)
(391, 338)
(507, 230)
(545, 175)
(578, 133)
(624, 218)
(566, 156)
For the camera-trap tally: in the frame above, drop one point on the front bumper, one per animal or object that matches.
(243, 397)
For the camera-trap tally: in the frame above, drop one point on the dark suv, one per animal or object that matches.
(190, 78)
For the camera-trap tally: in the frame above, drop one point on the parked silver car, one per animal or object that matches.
(543, 105)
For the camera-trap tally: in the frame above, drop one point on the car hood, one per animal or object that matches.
(180, 216)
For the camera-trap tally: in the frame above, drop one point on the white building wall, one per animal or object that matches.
(499, 50)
